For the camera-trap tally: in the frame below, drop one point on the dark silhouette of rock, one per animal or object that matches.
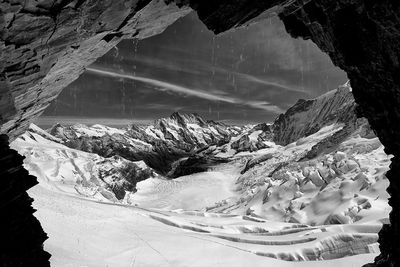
(200, 161)
(21, 233)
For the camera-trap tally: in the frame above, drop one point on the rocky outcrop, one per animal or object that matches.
(21, 233)
(360, 127)
(223, 15)
(193, 130)
(254, 139)
(200, 161)
(309, 116)
(124, 178)
(257, 160)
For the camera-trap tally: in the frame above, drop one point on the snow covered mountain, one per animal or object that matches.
(159, 145)
(75, 171)
(309, 116)
(309, 187)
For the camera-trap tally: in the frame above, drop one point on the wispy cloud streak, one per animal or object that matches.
(255, 79)
(166, 86)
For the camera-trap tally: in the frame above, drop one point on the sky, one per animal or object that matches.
(246, 75)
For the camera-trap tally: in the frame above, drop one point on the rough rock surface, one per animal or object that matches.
(200, 161)
(159, 145)
(253, 139)
(45, 45)
(105, 179)
(359, 126)
(309, 116)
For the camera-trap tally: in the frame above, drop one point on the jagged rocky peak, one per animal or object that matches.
(308, 116)
(159, 145)
(184, 119)
(193, 129)
(62, 132)
(254, 139)
(187, 119)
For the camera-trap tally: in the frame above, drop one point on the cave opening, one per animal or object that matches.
(360, 37)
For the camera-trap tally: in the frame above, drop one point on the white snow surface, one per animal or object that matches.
(219, 217)
(96, 130)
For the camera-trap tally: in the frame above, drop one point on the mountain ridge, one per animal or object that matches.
(308, 116)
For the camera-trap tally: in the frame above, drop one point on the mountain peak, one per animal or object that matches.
(308, 116)
(182, 119)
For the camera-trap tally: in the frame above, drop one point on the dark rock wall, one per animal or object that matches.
(22, 236)
(223, 15)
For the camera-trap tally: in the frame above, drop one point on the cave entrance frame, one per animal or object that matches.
(362, 37)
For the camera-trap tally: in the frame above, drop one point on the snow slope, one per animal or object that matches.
(88, 233)
(176, 222)
(346, 185)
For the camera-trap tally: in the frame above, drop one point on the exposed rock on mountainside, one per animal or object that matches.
(92, 175)
(309, 116)
(254, 139)
(200, 161)
(159, 145)
(360, 127)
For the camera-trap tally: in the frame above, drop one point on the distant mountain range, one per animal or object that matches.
(160, 145)
(186, 136)
(183, 144)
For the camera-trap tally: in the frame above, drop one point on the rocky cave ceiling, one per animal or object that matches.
(47, 44)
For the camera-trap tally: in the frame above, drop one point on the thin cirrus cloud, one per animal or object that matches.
(255, 79)
(201, 67)
(204, 66)
(166, 86)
